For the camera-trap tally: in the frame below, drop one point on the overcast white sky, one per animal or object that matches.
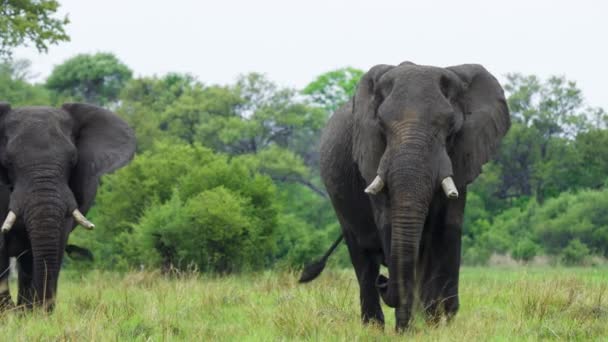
(293, 41)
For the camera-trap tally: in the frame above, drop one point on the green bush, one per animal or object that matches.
(575, 253)
(216, 230)
(564, 226)
(570, 216)
(182, 205)
(525, 250)
(476, 255)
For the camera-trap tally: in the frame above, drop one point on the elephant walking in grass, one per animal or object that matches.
(396, 161)
(50, 163)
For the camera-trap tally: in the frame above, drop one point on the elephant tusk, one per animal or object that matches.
(376, 186)
(79, 217)
(9, 222)
(449, 188)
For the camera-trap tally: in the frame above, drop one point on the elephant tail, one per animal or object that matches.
(311, 271)
(78, 253)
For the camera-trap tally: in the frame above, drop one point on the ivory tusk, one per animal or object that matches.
(9, 222)
(375, 187)
(449, 188)
(79, 217)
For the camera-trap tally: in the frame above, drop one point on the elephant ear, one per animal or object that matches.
(368, 142)
(5, 108)
(105, 143)
(486, 121)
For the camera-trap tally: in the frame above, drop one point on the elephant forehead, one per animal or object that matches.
(39, 119)
(415, 73)
(38, 112)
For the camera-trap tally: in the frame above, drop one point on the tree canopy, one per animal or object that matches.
(96, 79)
(24, 22)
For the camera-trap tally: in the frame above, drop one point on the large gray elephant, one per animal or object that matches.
(396, 161)
(50, 163)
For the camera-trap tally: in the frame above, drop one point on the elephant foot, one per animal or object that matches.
(376, 319)
(403, 316)
(439, 308)
(433, 312)
(451, 310)
(6, 303)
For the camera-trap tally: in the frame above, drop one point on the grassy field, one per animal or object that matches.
(497, 304)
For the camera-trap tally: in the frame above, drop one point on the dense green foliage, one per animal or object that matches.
(571, 226)
(545, 188)
(30, 21)
(15, 88)
(181, 206)
(333, 88)
(96, 79)
(226, 176)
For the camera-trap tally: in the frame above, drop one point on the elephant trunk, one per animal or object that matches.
(45, 219)
(411, 187)
(44, 227)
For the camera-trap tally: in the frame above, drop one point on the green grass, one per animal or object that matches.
(497, 304)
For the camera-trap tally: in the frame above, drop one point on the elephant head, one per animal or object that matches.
(51, 160)
(420, 131)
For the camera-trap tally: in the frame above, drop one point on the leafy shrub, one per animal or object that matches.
(564, 226)
(181, 205)
(476, 255)
(216, 230)
(575, 253)
(525, 250)
(570, 216)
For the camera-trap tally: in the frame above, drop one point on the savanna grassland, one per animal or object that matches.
(497, 304)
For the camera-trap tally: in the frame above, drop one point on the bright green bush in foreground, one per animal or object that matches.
(185, 206)
(216, 230)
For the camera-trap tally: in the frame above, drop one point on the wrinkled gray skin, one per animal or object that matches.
(50, 163)
(425, 123)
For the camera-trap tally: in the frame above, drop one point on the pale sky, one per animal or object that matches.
(294, 41)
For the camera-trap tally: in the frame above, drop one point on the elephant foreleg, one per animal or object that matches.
(367, 268)
(26, 289)
(450, 265)
(440, 261)
(439, 265)
(439, 284)
(450, 270)
(5, 296)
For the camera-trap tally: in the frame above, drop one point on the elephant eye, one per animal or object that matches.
(74, 159)
(384, 89)
(451, 123)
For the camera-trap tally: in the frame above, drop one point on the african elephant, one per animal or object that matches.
(396, 161)
(50, 164)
